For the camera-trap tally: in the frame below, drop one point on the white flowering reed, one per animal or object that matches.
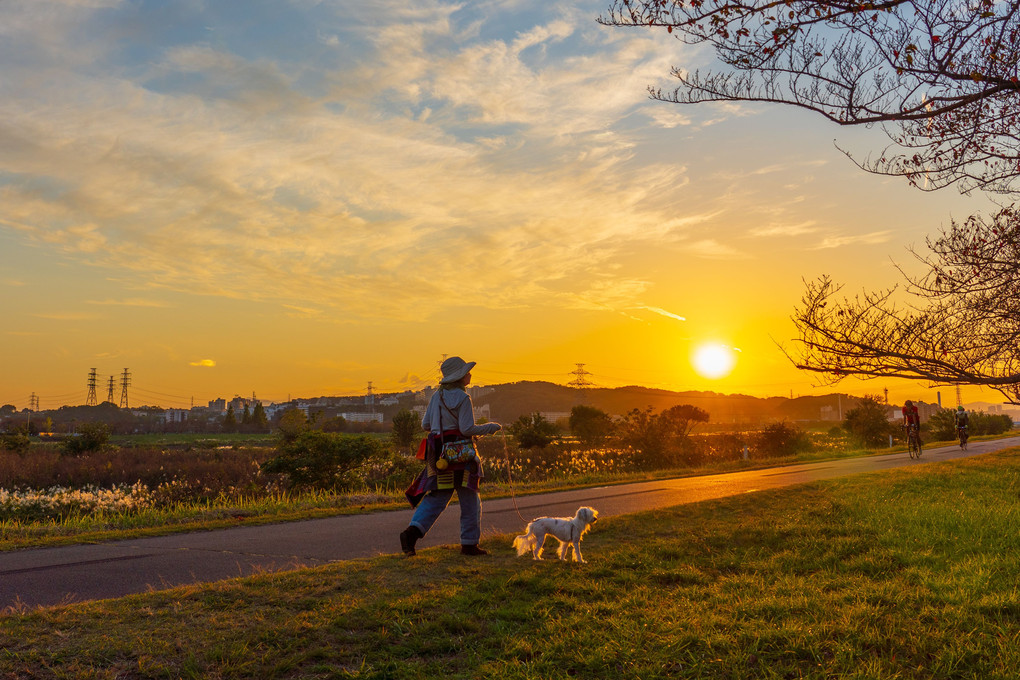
(58, 502)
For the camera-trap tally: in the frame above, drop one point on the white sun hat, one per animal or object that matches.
(454, 369)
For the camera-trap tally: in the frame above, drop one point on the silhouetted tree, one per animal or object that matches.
(258, 418)
(590, 425)
(867, 422)
(956, 323)
(292, 424)
(230, 420)
(406, 428)
(532, 431)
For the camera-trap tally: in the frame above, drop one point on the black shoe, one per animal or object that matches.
(472, 550)
(408, 537)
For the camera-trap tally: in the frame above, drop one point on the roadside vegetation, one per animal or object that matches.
(98, 486)
(909, 573)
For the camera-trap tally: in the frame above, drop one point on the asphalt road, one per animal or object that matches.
(52, 576)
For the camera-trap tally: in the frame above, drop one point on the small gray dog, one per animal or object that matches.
(567, 530)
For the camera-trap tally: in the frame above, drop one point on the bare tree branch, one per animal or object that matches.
(963, 326)
(940, 76)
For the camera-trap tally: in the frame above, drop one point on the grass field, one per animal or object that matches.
(225, 510)
(910, 573)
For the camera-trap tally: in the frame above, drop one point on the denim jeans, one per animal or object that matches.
(433, 504)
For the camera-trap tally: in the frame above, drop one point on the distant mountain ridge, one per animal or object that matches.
(509, 401)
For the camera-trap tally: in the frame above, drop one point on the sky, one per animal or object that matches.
(296, 198)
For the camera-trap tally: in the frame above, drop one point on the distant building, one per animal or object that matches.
(362, 417)
(175, 415)
(218, 405)
(238, 404)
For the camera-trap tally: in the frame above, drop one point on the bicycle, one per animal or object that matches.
(962, 433)
(913, 442)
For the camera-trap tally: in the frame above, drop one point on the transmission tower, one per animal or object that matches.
(369, 397)
(109, 391)
(125, 380)
(33, 403)
(580, 380)
(90, 400)
(959, 396)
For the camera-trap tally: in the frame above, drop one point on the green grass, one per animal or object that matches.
(909, 573)
(206, 515)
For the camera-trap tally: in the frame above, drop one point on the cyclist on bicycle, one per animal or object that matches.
(911, 418)
(961, 423)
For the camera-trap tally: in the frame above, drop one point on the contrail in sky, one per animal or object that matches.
(660, 310)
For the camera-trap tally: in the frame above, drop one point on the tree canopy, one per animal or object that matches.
(940, 76)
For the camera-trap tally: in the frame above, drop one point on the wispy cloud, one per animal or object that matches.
(872, 238)
(714, 250)
(663, 312)
(800, 229)
(249, 183)
(128, 302)
(66, 316)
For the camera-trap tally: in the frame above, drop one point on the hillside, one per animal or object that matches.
(508, 402)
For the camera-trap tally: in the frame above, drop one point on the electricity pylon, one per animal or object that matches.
(125, 380)
(90, 400)
(580, 381)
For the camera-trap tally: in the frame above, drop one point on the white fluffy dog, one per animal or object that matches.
(567, 530)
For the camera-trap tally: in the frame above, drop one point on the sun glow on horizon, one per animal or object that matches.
(713, 361)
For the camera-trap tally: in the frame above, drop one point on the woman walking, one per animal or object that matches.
(449, 417)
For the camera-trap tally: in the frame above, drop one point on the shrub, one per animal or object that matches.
(16, 442)
(942, 425)
(662, 440)
(323, 460)
(532, 431)
(92, 438)
(868, 423)
(779, 439)
(590, 425)
(406, 428)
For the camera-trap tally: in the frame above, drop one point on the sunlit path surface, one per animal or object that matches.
(70, 574)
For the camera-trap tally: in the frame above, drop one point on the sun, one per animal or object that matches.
(713, 361)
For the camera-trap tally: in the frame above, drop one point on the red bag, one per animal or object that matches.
(422, 448)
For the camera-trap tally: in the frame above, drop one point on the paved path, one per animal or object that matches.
(50, 576)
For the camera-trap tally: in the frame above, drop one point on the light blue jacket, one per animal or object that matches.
(450, 409)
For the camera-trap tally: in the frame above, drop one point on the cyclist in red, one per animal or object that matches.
(911, 418)
(910, 415)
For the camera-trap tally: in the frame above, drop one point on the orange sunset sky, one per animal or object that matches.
(296, 198)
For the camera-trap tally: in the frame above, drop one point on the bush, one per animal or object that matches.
(532, 431)
(590, 425)
(16, 442)
(779, 439)
(662, 440)
(868, 423)
(92, 438)
(406, 428)
(323, 460)
(942, 425)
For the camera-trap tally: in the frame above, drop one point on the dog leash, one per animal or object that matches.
(510, 477)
